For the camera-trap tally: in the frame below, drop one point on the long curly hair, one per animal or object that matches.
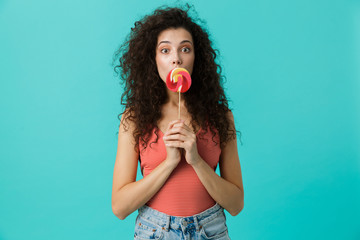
(145, 92)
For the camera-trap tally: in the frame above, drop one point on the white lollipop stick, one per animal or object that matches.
(179, 100)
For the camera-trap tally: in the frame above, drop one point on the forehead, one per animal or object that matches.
(174, 35)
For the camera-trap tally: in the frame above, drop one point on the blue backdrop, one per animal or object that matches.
(293, 79)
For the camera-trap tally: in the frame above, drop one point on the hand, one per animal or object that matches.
(180, 135)
(173, 153)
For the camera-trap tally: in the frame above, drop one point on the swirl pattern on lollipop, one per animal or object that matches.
(178, 80)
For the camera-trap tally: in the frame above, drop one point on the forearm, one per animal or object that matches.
(134, 195)
(227, 194)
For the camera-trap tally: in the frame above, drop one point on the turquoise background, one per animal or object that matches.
(292, 71)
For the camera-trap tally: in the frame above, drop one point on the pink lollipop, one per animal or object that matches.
(178, 80)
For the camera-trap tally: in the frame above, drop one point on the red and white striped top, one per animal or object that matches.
(183, 194)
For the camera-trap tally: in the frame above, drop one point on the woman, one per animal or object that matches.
(180, 194)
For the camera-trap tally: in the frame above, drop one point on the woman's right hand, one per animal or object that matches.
(173, 153)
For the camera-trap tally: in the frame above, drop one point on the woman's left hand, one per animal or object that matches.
(182, 136)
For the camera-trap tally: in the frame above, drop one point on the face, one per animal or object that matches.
(175, 48)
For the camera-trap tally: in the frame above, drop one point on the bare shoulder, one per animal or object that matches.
(230, 117)
(230, 145)
(126, 125)
(229, 114)
(126, 161)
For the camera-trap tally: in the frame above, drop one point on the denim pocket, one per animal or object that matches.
(145, 229)
(215, 229)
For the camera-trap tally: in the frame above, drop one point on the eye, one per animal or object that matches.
(164, 50)
(185, 49)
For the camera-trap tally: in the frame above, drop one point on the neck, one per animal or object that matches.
(173, 98)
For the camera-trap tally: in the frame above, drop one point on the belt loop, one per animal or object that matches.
(197, 224)
(167, 223)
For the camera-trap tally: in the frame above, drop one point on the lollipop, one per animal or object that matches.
(178, 80)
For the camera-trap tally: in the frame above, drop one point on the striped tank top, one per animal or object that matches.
(182, 194)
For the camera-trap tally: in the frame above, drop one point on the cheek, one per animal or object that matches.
(161, 66)
(160, 63)
(191, 64)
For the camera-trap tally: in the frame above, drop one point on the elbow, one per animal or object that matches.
(118, 212)
(238, 209)
(121, 217)
(118, 209)
(239, 205)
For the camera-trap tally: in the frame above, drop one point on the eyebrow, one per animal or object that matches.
(184, 41)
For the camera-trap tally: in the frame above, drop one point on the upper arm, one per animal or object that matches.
(126, 157)
(229, 159)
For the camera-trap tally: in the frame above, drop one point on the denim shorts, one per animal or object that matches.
(209, 224)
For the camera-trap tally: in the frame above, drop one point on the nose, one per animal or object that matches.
(176, 60)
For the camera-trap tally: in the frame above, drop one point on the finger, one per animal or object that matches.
(184, 126)
(171, 126)
(178, 137)
(180, 129)
(176, 130)
(177, 144)
(172, 143)
(172, 123)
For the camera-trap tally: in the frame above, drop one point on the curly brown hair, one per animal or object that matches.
(145, 92)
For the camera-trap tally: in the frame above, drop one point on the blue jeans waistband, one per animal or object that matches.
(167, 221)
